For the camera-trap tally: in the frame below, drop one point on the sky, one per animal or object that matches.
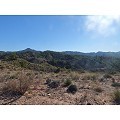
(60, 33)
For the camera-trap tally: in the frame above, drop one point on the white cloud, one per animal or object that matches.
(103, 25)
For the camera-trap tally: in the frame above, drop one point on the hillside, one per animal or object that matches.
(48, 77)
(105, 54)
(64, 60)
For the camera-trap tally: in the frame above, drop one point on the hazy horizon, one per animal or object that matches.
(57, 51)
(60, 33)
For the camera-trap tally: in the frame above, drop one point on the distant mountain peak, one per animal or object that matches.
(28, 49)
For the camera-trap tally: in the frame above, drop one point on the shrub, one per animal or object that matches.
(90, 77)
(116, 84)
(24, 85)
(93, 77)
(116, 97)
(36, 73)
(72, 89)
(17, 86)
(54, 84)
(48, 81)
(13, 77)
(11, 57)
(28, 74)
(98, 89)
(67, 82)
(74, 75)
(107, 76)
(11, 87)
(101, 79)
(112, 72)
(81, 71)
(1, 67)
(57, 70)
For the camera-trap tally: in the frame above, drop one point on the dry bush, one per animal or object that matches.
(90, 76)
(98, 89)
(17, 86)
(1, 67)
(13, 77)
(74, 75)
(107, 76)
(28, 74)
(11, 87)
(25, 82)
(116, 97)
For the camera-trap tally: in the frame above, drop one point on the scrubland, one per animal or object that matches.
(22, 86)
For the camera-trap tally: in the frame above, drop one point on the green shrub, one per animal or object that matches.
(57, 70)
(112, 72)
(116, 97)
(107, 76)
(72, 89)
(11, 57)
(1, 67)
(67, 82)
(48, 81)
(54, 84)
(116, 84)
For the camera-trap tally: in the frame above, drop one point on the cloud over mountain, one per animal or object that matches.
(102, 25)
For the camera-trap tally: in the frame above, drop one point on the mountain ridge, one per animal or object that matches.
(66, 52)
(92, 54)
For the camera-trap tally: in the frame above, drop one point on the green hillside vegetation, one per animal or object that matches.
(51, 61)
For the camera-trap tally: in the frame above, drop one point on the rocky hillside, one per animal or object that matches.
(41, 59)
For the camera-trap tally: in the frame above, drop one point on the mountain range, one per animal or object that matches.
(51, 60)
(99, 53)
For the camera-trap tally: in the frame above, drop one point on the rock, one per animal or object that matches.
(49, 94)
(42, 94)
(89, 103)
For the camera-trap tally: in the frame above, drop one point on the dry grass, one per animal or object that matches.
(90, 76)
(107, 76)
(11, 86)
(74, 75)
(17, 86)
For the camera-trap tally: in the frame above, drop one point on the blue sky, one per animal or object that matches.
(60, 33)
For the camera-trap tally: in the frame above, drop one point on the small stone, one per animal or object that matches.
(42, 94)
(49, 94)
(89, 103)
